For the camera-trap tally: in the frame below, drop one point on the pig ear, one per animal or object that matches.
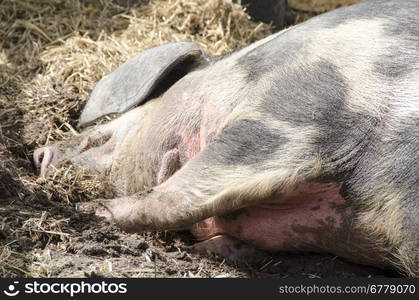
(132, 82)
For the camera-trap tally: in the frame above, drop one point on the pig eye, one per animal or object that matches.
(94, 141)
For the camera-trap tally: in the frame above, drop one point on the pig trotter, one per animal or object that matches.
(126, 213)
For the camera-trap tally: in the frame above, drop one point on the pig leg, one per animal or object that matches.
(230, 173)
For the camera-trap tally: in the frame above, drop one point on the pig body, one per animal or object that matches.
(305, 141)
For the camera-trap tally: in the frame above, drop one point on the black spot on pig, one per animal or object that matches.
(272, 54)
(390, 157)
(246, 142)
(310, 95)
(402, 160)
(255, 65)
(316, 96)
(400, 60)
(405, 27)
(393, 65)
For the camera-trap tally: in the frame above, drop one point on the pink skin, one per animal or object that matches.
(300, 220)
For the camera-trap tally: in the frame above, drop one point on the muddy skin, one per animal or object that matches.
(314, 217)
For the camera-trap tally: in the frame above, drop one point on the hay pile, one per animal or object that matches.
(51, 54)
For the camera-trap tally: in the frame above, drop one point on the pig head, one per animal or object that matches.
(307, 140)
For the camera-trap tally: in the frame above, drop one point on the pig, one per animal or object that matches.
(307, 140)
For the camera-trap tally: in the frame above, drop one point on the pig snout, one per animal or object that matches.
(43, 158)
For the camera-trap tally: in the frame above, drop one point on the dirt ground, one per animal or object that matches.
(51, 54)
